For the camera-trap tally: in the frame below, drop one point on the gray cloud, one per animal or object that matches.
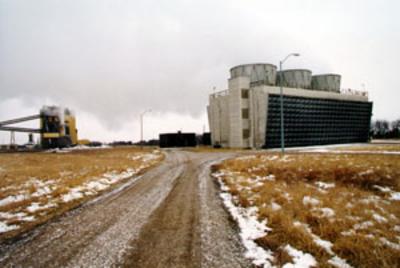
(112, 59)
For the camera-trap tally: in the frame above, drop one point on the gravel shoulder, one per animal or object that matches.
(169, 217)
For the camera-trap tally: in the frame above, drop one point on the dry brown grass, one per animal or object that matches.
(354, 200)
(26, 173)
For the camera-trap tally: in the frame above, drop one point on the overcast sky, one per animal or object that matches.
(110, 60)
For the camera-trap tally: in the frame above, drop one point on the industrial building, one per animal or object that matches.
(57, 127)
(316, 110)
(177, 140)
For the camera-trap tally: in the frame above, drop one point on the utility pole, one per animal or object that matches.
(141, 127)
(281, 100)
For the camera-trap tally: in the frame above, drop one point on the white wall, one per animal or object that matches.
(225, 111)
(235, 110)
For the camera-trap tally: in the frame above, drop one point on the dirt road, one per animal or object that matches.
(169, 217)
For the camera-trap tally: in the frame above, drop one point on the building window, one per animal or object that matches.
(246, 133)
(245, 113)
(245, 93)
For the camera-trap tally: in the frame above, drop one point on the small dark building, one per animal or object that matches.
(178, 140)
(206, 138)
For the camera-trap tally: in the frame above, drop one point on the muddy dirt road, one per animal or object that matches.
(169, 217)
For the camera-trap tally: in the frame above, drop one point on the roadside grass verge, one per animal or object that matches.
(343, 209)
(35, 187)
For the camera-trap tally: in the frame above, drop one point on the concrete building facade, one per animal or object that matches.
(246, 115)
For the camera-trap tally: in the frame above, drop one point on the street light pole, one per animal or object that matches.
(141, 127)
(281, 100)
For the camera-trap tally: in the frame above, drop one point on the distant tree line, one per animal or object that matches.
(384, 129)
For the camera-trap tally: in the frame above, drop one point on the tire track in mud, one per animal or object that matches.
(171, 238)
(191, 227)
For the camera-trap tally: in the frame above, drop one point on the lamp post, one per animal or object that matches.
(281, 99)
(141, 126)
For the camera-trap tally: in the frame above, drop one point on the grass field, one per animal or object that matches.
(35, 187)
(334, 210)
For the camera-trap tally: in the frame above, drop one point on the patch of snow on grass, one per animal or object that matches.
(271, 158)
(300, 259)
(4, 227)
(348, 233)
(250, 228)
(367, 172)
(285, 158)
(36, 206)
(326, 212)
(42, 191)
(395, 196)
(390, 244)
(338, 262)
(325, 185)
(270, 177)
(149, 157)
(275, 206)
(378, 218)
(325, 244)
(78, 148)
(308, 200)
(28, 218)
(287, 196)
(96, 186)
(371, 200)
(382, 189)
(246, 157)
(363, 225)
(12, 199)
(74, 193)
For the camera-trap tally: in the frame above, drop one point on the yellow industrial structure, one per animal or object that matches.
(57, 127)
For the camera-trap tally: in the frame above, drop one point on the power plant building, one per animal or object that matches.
(316, 111)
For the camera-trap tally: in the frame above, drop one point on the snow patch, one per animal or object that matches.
(74, 193)
(308, 200)
(325, 185)
(325, 244)
(246, 157)
(363, 225)
(4, 227)
(395, 196)
(78, 148)
(367, 172)
(378, 218)
(339, 262)
(275, 206)
(300, 259)
(250, 228)
(12, 199)
(382, 189)
(325, 212)
(392, 245)
(36, 207)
